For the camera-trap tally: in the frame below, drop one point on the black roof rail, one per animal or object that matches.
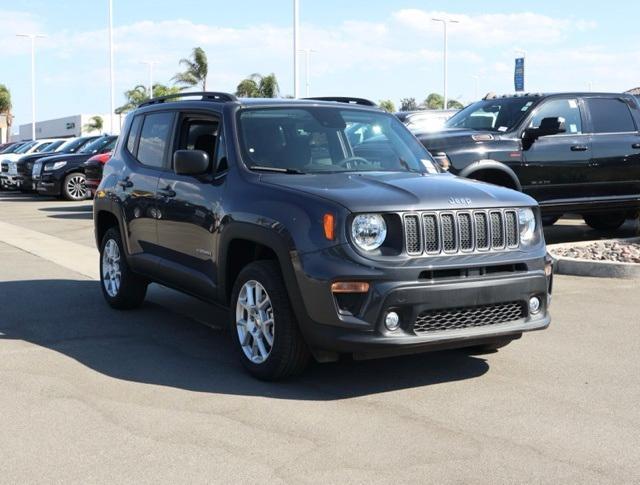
(343, 99)
(204, 96)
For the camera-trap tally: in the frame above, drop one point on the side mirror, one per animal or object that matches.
(548, 126)
(190, 162)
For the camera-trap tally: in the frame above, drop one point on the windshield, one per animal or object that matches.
(53, 146)
(98, 145)
(329, 140)
(73, 145)
(500, 115)
(25, 148)
(11, 148)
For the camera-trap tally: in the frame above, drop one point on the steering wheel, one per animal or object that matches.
(354, 162)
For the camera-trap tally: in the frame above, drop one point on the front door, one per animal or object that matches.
(616, 146)
(189, 207)
(557, 166)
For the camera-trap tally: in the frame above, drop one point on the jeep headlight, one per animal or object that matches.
(527, 223)
(369, 231)
(54, 166)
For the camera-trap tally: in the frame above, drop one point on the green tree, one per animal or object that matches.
(259, 86)
(196, 70)
(434, 101)
(140, 94)
(454, 104)
(408, 104)
(387, 105)
(96, 123)
(5, 105)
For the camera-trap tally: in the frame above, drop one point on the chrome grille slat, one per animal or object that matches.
(462, 231)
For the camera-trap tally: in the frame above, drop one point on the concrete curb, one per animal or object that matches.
(596, 269)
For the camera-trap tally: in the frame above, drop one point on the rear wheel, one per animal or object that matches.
(264, 328)
(73, 187)
(122, 288)
(609, 221)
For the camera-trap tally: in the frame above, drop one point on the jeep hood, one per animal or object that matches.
(393, 191)
(451, 138)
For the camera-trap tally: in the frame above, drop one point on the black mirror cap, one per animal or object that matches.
(190, 162)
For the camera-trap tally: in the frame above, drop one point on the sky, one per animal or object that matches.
(367, 48)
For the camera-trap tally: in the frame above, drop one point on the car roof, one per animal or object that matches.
(548, 95)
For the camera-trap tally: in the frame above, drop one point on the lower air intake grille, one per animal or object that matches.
(477, 316)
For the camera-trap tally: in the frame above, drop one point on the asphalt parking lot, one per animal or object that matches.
(88, 394)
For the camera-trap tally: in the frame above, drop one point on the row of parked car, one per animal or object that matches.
(68, 168)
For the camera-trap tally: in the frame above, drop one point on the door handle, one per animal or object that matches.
(167, 192)
(125, 183)
(579, 148)
(636, 146)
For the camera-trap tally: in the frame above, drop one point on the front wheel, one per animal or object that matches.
(121, 287)
(74, 188)
(609, 221)
(263, 326)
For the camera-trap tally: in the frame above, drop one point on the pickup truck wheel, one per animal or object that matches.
(122, 288)
(264, 329)
(605, 222)
(73, 187)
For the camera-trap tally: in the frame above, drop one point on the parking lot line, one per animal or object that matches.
(70, 255)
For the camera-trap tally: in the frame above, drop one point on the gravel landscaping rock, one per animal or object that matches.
(612, 251)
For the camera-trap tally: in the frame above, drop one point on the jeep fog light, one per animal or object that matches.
(392, 321)
(534, 305)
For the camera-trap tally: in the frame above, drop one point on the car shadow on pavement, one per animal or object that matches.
(87, 216)
(155, 346)
(67, 208)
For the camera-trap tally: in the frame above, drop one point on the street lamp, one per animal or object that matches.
(111, 81)
(150, 64)
(296, 40)
(444, 24)
(307, 55)
(33, 38)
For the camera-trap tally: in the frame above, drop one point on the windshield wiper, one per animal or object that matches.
(259, 168)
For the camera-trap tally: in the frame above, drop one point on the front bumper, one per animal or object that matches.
(10, 181)
(48, 184)
(448, 296)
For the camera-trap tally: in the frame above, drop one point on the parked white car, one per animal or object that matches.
(8, 167)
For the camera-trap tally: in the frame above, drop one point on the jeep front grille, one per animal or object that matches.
(451, 232)
(466, 317)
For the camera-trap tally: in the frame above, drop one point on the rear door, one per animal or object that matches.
(557, 166)
(147, 147)
(190, 207)
(615, 145)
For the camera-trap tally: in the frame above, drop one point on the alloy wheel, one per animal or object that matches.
(255, 322)
(111, 273)
(76, 187)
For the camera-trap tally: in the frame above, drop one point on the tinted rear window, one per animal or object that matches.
(610, 115)
(155, 134)
(132, 139)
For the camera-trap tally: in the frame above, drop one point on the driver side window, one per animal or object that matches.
(567, 110)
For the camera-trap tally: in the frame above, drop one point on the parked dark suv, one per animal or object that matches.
(322, 241)
(573, 152)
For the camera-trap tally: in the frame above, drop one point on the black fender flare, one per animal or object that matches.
(279, 242)
(470, 169)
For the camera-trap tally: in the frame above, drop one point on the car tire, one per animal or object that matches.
(121, 287)
(491, 347)
(264, 329)
(73, 187)
(609, 221)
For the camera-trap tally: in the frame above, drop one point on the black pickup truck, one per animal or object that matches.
(573, 152)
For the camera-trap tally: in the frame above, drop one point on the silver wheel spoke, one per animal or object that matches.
(255, 322)
(111, 273)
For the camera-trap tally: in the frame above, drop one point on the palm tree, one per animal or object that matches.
(140, 94)
(259, 86)
(5, 105)
(196, 71)
(96, 123)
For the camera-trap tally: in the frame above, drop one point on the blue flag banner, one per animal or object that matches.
(518, 76)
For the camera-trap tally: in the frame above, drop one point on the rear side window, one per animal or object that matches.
(133, 134)
(610, 115)
(154, 137)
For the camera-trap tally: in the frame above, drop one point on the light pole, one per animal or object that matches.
(307, 55)
(111, 77)
(150, 64)
(296, 40)
(444, 24)
(33, 38)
